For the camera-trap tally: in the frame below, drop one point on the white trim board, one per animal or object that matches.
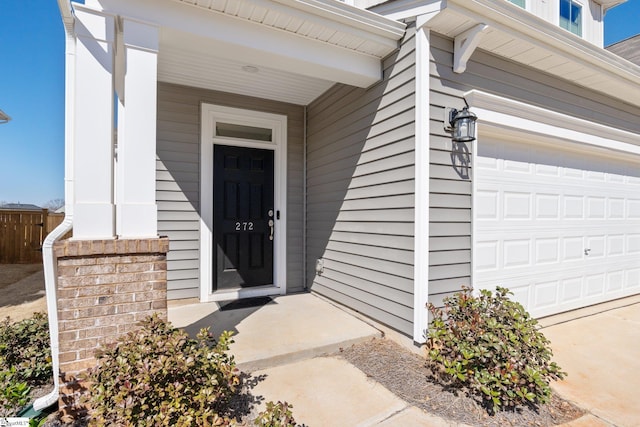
(506, 116)
(421, 237)
(278, 124)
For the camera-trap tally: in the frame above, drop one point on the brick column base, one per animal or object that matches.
(105, 287)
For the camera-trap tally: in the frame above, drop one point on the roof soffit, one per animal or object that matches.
(300, 47)
(327, 21)
(522, 37)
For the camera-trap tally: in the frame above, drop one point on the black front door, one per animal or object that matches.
(243, 217)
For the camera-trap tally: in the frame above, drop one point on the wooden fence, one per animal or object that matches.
(22, 234)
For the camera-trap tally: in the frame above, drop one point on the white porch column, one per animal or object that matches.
(94, 212)
(136, 82)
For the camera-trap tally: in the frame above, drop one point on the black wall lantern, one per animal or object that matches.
(463, 125)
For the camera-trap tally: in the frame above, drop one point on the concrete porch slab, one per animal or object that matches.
(272, 331)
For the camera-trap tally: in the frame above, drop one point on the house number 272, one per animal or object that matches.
(244, 226)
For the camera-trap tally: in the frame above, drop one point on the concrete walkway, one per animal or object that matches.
(277, 340)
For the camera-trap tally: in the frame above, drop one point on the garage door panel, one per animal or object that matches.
(594, 285)
(595, 207)
(547, 206)
(573, 207)
(632, 279)
(571, 289)
(486, 256)
(615, 281)
(594, 247)
(486, 205)
(517, 205)
(633, 244)
(560, 228)
(633, 211)
(547, 250)
(615, 245)
(573, 248)
(616, 208)
(516, 253)
(546, 294)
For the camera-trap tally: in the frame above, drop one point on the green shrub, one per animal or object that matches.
(25, 360)
(159, 376)
(13, 393)
(276, 415)
(25, 345)
(491, 345)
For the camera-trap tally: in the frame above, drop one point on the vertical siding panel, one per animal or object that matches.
(178, 180)
(360, 193)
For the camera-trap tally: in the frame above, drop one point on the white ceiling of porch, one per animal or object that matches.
(299, 47)
(187, 64)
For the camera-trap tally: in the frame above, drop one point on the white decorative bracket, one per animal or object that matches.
(464, 45)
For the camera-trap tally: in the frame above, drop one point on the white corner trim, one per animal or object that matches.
(504, 113)
(278, 124)
(421, 219)
(464, 45)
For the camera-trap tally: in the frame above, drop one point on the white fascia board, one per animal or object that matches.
(351, 16)
(66, 11)
(608, 4)
(306, 11)
(526, 26)
(251, 42)
(408, 9)
(504, 113)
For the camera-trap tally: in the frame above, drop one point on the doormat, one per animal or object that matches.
(245, 303)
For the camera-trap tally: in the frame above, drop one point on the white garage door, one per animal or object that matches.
(560, 228)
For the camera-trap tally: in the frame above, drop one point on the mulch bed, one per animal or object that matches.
(407, 376)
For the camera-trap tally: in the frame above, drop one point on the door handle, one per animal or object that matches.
(271, 223)
(586, 251)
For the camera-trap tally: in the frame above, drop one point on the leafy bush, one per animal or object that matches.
(276, 415)
(25, 360)
(13, 393)
(25, 345)
(492, 345)
(159, 376)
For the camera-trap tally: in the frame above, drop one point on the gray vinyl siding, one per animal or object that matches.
(450, 186)
(360, 193)
(178, 181)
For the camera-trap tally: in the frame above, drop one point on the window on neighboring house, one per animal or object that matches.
(571, 16)
(520, 3)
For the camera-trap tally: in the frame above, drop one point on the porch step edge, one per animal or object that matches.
(308, 353)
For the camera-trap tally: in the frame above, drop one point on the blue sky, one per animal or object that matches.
(32, 93)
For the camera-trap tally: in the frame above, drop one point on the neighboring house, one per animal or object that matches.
(20, 207)
(629, 49)
(287, 145)
(4, 118)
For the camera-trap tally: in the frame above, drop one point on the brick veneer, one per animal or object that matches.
(105, 287)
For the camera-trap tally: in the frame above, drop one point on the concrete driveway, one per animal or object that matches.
(599, 347)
